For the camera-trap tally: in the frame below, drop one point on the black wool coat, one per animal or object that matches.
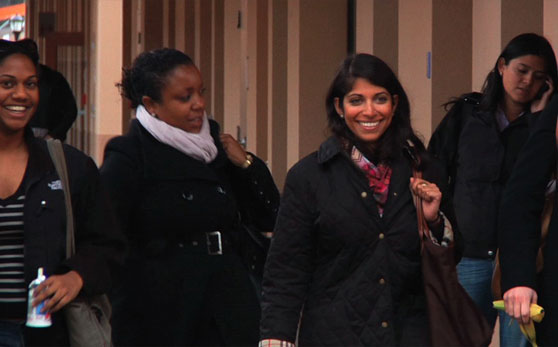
(175, 293)
(355, 277)
(520, 223)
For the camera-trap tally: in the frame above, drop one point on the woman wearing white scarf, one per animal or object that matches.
(181, 191)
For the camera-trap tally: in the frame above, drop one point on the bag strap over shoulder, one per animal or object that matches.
(56, 152)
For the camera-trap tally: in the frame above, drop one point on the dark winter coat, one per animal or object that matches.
(175, 293)
(355, 277)
(479, 159)
(520, 223)
(99, 244)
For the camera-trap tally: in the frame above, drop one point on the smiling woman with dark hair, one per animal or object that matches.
(345, 256)
(33, 217)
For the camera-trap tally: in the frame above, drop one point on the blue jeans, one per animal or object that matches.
(11, 334)
(475, 275)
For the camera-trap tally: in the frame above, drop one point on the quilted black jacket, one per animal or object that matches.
(355, 277)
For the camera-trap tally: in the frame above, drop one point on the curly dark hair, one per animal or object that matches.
(148, 73)
(26, 47)
(377, 72)
(523, 44)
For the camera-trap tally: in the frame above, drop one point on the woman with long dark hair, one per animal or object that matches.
(478, 141)
(345, 257)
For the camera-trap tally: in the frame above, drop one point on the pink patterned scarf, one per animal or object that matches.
(378, 177)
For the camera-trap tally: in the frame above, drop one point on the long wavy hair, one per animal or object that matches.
(524, 44)
(377, 72)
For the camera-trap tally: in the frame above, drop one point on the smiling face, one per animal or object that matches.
(522, 78)
(368, 110)
(19, 93)
(182, 104)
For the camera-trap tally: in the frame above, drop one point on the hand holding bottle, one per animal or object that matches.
(59, 290)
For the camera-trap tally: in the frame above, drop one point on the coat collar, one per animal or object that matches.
(40, 163)
(329, 149)
(166, 162)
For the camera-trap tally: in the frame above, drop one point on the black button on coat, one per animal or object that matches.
(166, 202)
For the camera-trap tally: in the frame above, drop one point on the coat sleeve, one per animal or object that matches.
(290, 262)
(258, 194)
(100, 245)
(121, 174)
(519, 226)
(444, 141)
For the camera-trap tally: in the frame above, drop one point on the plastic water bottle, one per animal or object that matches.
(35, 318)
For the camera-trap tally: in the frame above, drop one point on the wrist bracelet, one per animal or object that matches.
(436, 221)
(248, 162)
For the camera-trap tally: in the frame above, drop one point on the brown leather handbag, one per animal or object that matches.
(454, 318)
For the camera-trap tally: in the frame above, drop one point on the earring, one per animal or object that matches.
(341, 115)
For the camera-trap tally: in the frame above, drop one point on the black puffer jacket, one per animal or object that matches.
(479, 159)
(355, 276)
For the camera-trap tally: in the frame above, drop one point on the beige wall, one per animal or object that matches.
(451, 53)
(550, 25)
(270, 74)
(415, 42)
(486, 47)
(107, 57)
(322, 48)
(364, 41)
(386, 32)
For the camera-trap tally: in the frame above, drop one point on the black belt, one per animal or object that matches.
(216, 242)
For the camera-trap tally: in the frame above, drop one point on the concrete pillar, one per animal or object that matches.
(451, 53)
(315, 51)
(277, 58)
(364, 26)
(106, 54)
(233, 81)
(485, 48)
(550, 25)
(386, 32)
(415, 49)
(520, 16)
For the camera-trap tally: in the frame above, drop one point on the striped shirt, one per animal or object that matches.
(13, 293)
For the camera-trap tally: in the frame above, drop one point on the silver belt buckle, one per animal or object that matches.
(214, 245)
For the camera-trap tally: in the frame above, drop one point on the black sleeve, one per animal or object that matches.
(100, 245)
(436, 173)
(121, 174)
(258, 194)
(519, 226)
(62, 109)
(290, 264)
(444, 141)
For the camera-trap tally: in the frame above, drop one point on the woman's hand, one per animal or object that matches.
(58, 290)
(235, 152)
(539, 104)
(431, 197)
(517, 301)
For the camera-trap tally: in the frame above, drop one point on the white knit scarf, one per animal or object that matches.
(198, 146)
